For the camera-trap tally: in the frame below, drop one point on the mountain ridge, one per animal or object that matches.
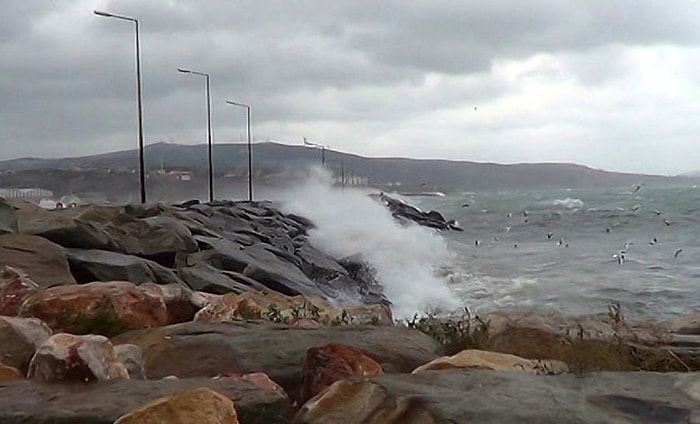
(413, 174)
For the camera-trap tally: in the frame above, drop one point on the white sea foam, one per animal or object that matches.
(569, 203)
(350, 222)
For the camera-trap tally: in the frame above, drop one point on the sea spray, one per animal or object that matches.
(349, 222)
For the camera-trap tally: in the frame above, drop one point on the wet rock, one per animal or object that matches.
(327, 364)
(67, 357)
(197, 349)
(480, 359)
(504, 397)
(198, 406)
(132, 358)
(105, 402)
(8, 373)
(406, 212)
(102, 308)
(44, 262)
(19, 339)
(8, 218)
(15, 286)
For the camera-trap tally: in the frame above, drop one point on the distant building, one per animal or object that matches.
(34, 194)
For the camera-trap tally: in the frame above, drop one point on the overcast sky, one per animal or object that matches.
(613, 84)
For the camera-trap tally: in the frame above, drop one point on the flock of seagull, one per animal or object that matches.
(619, 256)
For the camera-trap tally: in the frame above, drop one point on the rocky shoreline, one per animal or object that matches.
(226, 313)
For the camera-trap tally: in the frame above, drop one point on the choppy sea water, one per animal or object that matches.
(573, 271)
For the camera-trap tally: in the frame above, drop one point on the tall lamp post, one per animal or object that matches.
(142, 166)
(211, 166)
(250, 150)
(318, 146)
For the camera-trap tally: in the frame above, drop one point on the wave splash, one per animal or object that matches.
(349, 222)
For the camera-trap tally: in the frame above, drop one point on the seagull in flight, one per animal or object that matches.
(676, 253)
(620, 257)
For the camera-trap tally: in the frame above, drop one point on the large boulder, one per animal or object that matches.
(104, 403)
(157, 237)
(197, 406)
(504, 397)
(44, 262)
(15, 286)
(19, 339)
(8, 218)
(481, 359)
(327, 364)
(206, 278)
(196, 349)
(101, 308)
(88, 265)
(63, 229)
(70, 358)
(256, 263)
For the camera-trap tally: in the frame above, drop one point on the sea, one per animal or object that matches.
(548, 250)
(560, 250)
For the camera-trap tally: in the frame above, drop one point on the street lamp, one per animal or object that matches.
(142, 166)
(318, 146)
(250, 150)
(211, 166)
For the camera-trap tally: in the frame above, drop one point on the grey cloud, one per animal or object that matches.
(359, 67)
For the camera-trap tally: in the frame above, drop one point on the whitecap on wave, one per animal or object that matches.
(569, 203)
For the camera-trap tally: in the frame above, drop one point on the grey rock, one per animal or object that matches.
(196, 349)
(19, 339)
(88, 265)
(44, 261)
(131, 356)
(153, 237)
(503, 397)
(104, 402)
(206, 278)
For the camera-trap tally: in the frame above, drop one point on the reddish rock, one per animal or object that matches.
(100, 308)
(364, 401)
(19, 339)
(327, 364)
(70, 358)
(44, 262)
(276, 307)
(198, 406)
(8, 373)
(15, 286)
(180, 302)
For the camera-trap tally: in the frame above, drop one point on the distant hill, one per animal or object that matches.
(412, 174)
(690, 174)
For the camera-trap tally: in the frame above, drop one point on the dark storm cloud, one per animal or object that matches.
(364, 67)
